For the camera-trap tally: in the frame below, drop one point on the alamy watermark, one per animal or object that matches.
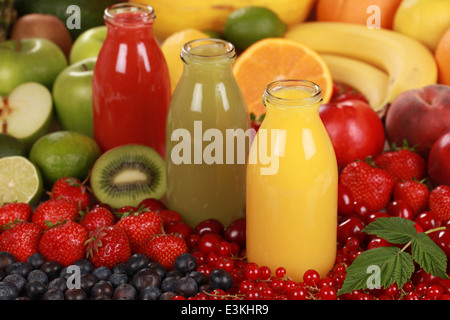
(74, 19)
(374, 20)
(231, 149)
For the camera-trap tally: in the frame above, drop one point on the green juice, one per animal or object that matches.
(208, 136)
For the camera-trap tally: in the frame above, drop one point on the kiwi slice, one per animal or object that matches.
(128, 174)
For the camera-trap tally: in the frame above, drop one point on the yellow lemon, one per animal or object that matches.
(171, 48)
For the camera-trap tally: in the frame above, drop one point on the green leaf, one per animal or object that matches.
(429, 256)
(393, 229)
(378, 267)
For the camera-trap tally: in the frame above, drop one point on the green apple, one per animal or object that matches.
(26, 113)
(88, 44)
(72, 95)
(29, 60)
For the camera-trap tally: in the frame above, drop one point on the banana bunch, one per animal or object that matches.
(379, 63)
(176, 15)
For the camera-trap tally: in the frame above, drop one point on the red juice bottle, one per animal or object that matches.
(131, 85)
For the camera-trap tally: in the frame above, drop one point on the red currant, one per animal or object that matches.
(311, 277)
(327, 293)
(252, 272)
(280, 272)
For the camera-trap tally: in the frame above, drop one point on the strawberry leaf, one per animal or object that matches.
(429, 256)
(378, 267)
(394, 229)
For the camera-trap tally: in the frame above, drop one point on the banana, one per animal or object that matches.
(176, 15)
(408, 63)
(369, 80)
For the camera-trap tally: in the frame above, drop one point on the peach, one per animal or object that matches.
(419, 116)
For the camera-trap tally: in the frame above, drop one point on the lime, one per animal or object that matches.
(247, 25)
(11, 146)
(20, 181)
(64, 153)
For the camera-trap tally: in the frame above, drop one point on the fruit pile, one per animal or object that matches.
(386, 108)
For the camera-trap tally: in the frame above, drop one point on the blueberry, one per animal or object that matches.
(34, 290)
(221, 279)
(158, 268)
(150, 293)
(136, 262)
(125, 292)
(119, 268)
(52, 269)
(146, 277)
(167, 295)
(185, 263)
(8, 291)
(53, 294)
(102, 273)
(36, 260)
(58, 283)
(174, 274)
(169, 284)
(2, 274)
(21, 268)
(75, 294)
(199, 277)
(37, 275)
(117, 279)
(17, 280)
(102, 288)
(87, 281)
(186, 286)
(6, 259)
(85, 266)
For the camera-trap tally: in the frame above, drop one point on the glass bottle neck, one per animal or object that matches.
(208, 53)
(292, 96)
(126, 16)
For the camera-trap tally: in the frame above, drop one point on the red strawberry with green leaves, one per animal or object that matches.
(54, 211)
(11, 212)
(21, 239)
(439, 202)
(97, 217)
(402, 163)
(73, 190)
(107, 246)
(64, 243)
(140, 226)
(369, 185)
(413, 192)
(165, 248)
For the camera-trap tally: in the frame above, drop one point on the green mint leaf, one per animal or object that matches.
(429, 256)
(393, 229)
(378, 268)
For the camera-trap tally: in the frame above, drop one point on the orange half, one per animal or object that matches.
(274, 59)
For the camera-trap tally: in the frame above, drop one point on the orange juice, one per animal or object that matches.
(292, 180)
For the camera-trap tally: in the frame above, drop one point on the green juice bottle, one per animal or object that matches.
(208, 136)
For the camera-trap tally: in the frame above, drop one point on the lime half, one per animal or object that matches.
(20, 181)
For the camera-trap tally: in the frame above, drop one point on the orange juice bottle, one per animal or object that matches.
(292, 180)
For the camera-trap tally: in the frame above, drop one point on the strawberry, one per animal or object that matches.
(21, 239)
(97, 217)
(11, 212)
(369, 185)
(54, 211)
(165, 248)
(402, 163)
(414, 193)
(71, 189)
(439, 202)
(140, 226)
(64, 243)
(107, 246)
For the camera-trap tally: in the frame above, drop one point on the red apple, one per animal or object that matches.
(419, 116)
(439, 161)
(355, 130)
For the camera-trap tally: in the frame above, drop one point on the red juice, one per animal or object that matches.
(131, 84)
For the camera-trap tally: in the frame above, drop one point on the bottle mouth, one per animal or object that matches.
(215, 49)
(129, 13)
(292, 93)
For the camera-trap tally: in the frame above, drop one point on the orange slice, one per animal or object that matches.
(274, 59)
